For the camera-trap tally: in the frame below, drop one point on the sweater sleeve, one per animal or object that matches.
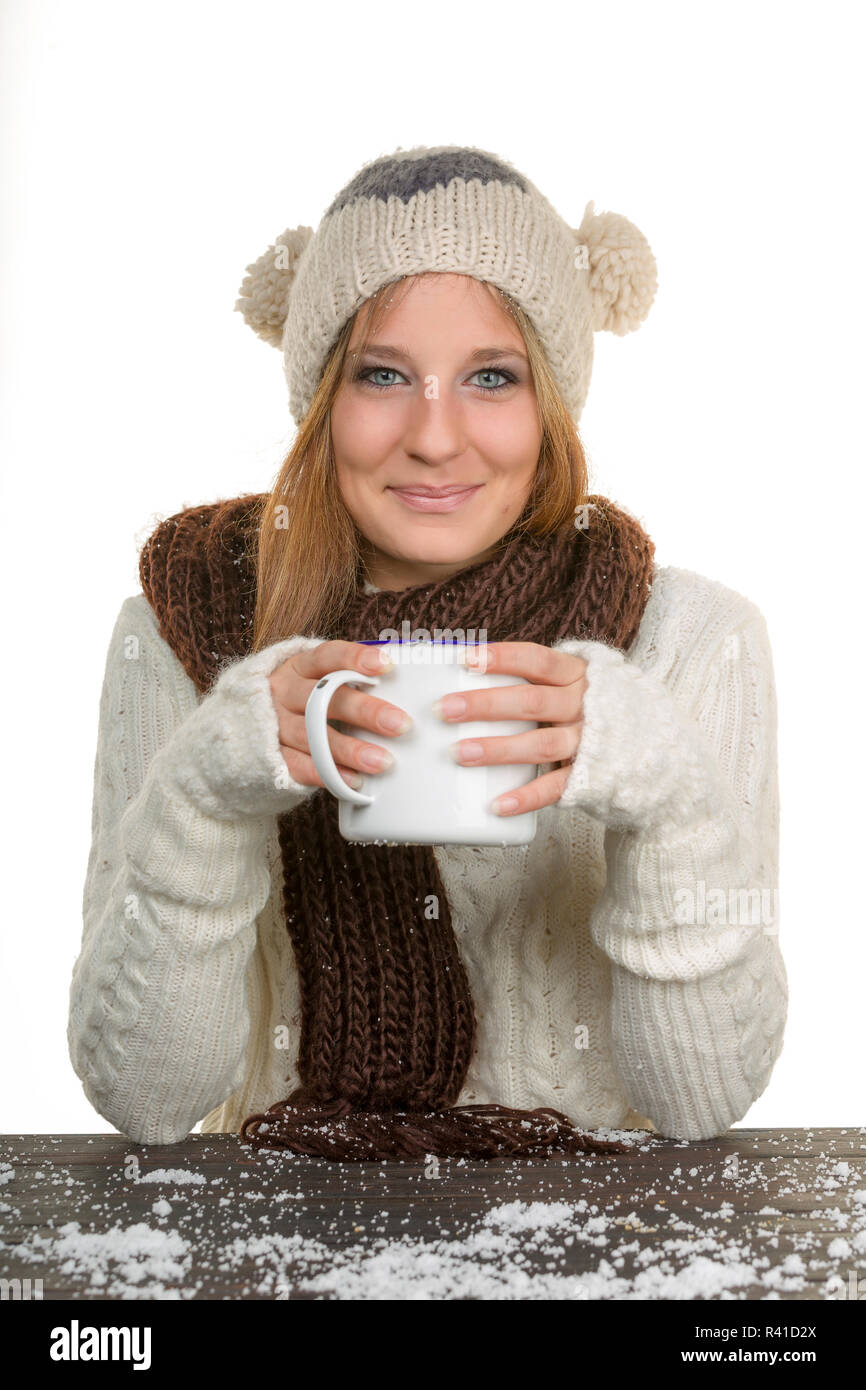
(685, 780)
(184, 793)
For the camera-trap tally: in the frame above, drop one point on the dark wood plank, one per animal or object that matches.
(644, 1224)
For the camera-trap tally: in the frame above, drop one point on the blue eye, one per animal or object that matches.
(366, 376)
(495, 371)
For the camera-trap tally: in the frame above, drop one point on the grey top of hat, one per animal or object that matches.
(402, 177)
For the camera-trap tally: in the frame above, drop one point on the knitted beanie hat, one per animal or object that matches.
(449, 208)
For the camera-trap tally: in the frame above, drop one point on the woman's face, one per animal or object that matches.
(442, 398)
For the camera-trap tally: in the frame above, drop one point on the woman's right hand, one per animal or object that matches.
(291, 684)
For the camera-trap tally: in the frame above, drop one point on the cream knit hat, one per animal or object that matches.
(449, 208)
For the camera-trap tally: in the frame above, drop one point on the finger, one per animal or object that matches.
(303, 770)
(531, 660)
(542, 791)
(550, 704)
(338, 655)
(548, 745)
(312, 664)
(367, 711)
(352, 752)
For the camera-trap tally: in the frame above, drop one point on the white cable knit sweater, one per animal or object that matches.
(616, 970)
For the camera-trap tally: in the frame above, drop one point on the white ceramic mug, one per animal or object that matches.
(425, 798)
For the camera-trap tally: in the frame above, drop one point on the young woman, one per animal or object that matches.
(245, 966)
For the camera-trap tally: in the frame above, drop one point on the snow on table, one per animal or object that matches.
(758, 1214)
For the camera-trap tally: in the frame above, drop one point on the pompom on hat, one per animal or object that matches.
(449, 208)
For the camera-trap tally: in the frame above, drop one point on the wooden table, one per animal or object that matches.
(757, 1215)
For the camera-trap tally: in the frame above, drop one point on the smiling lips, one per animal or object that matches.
(436, 499)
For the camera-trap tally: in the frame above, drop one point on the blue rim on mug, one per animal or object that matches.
(416, 642)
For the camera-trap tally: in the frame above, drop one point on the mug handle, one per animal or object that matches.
(316, 720)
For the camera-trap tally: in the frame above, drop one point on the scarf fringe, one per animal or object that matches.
(336, 1131)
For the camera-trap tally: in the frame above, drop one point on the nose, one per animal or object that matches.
(434, 427)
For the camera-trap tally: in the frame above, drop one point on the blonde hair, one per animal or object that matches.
(309, 550)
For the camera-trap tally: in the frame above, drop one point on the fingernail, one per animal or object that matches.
(449, 707)
(354, 779)
(394, 721)
(466, 752)
(375, 660)
(376, 759)
(504, 803)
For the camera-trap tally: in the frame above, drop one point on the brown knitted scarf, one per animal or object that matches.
(387, 1027)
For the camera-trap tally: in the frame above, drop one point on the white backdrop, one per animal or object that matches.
(153, 151)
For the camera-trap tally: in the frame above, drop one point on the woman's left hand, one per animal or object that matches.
(553, 699)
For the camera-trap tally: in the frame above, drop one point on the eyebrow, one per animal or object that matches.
(479, 355)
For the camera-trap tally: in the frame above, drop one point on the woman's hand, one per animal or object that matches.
(553, 699)
(291, 684)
